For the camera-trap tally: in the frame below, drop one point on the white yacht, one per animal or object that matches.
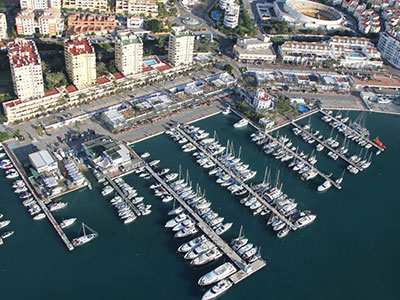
(57, 206)
(222, 228)
(197, 251)
(6, 234)
(304, 221)
(144, 155)
(192, 243)
(173, 222)
(154, 162)
(4, 223)
(217, 290)
(241, 123)
(85, 238)
(226, 111)
(108, 189)
(220, 273)
(68, 222)
(206, 257)
(39, 217)
(325, 186)
(186, 232)
(284, 232)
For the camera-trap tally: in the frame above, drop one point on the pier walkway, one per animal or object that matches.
(353, 131)
(322, 174)
(345, 158)
(238, 179)
(245, 269)
(43, 206)
(119, 192)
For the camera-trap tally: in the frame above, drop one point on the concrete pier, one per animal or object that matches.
(43, 206)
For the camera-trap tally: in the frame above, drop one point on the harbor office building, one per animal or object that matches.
(43, 161)
(108, 156)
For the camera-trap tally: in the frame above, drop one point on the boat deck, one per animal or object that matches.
(43, 206)
(246, 186)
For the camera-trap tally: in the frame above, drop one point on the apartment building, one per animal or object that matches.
(3, 27)
(93, 5)
(26, 69)
(262, 100)
(254, 49)
(137, 7)
(180, 46)
(40, 4)
(47, 22)
(389, 46)
(90, 23)
(80, 61)
(223, 4)
(231, 16)
(128, 53)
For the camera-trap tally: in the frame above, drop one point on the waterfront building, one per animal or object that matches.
(231, 17)
(389, 46)
(80, 61)
(46, 22)
(254, 49)
(128, 53)
(137, 7)
(262, 100)
(92, 5)
(223, 4)
(40, 4)
(3, 27)
(81, 23)
(180, 46)
(26, 69)
(43, 161)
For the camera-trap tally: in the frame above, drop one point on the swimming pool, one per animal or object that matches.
(149, 62)
(355, 54)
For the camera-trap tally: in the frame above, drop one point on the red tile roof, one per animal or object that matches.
(163, 68)
(71, 89)
(80, 46)
(51, 93)
(146, 69)
(23, 53)
(103, 80)
(12, 103)
(118, 76)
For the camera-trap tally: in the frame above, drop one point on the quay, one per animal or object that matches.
(322, 174)
(249, 189)
(353, 131)
(43, 206)
(123, 196)
(244, 269)
(327, 146)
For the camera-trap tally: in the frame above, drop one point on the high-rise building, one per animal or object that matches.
(389, 46)
(26, 69)
(3, 27)
(40, 4)
(180, 46)
(223, 4)
(231, 17)
(80, 61)
(128, 53)
(137, 7)
(47, 22)
(98, 5)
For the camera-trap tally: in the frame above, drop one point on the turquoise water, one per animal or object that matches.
(355, 54)
(149, 62)
(349, 252)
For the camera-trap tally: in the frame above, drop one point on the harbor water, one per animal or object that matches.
(349, 252)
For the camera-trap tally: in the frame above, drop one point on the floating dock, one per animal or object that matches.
(353, 131)
(43, 206)
(238, 179)
(322, 174)
(215, 238)
(345, 158)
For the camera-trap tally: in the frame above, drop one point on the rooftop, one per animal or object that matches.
(23, 52)
(79, 46)
(41, 159)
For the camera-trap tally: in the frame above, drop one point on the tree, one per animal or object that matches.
(101, 69)
(154, 25)
(228, 68)
(161, 42)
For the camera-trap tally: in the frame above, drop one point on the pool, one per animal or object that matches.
(150, 62)
(355, 54)
(215, 15)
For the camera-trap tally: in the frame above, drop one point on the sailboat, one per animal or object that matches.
(85, 238)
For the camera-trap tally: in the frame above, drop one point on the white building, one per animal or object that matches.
(262, 100)
(231, 17)
(43, 161)
(3, 27)
(223, 4)
(128, 53)
(26, 69)
(98, 5)
(134, 22)
(389, 47)
(137, 7)
(254, 49)
(40, 4)
(180, 46)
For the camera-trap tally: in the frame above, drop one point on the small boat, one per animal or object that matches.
(304, 221)
(206, 257)
(284, 232)
(68, 222)
(39, 216)
(325, 186)
(57, 206)
(220, 273)
(226, 111)
(144, 155)
(108, 189)
(4, 223)
(186, 232)
(154, 162)
(217, 290)
(6, 234)
(241, 123)
(85, 238)
(186, 247)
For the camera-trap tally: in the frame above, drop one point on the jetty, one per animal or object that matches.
(342, 156)
(238, 179)
(123, 196)
(298, 157)
(32, 190)
(348, 128)
(245, 269)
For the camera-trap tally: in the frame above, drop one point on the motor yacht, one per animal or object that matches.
(217, 290)
(219, 273)
(241, 123)
(67, 223)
